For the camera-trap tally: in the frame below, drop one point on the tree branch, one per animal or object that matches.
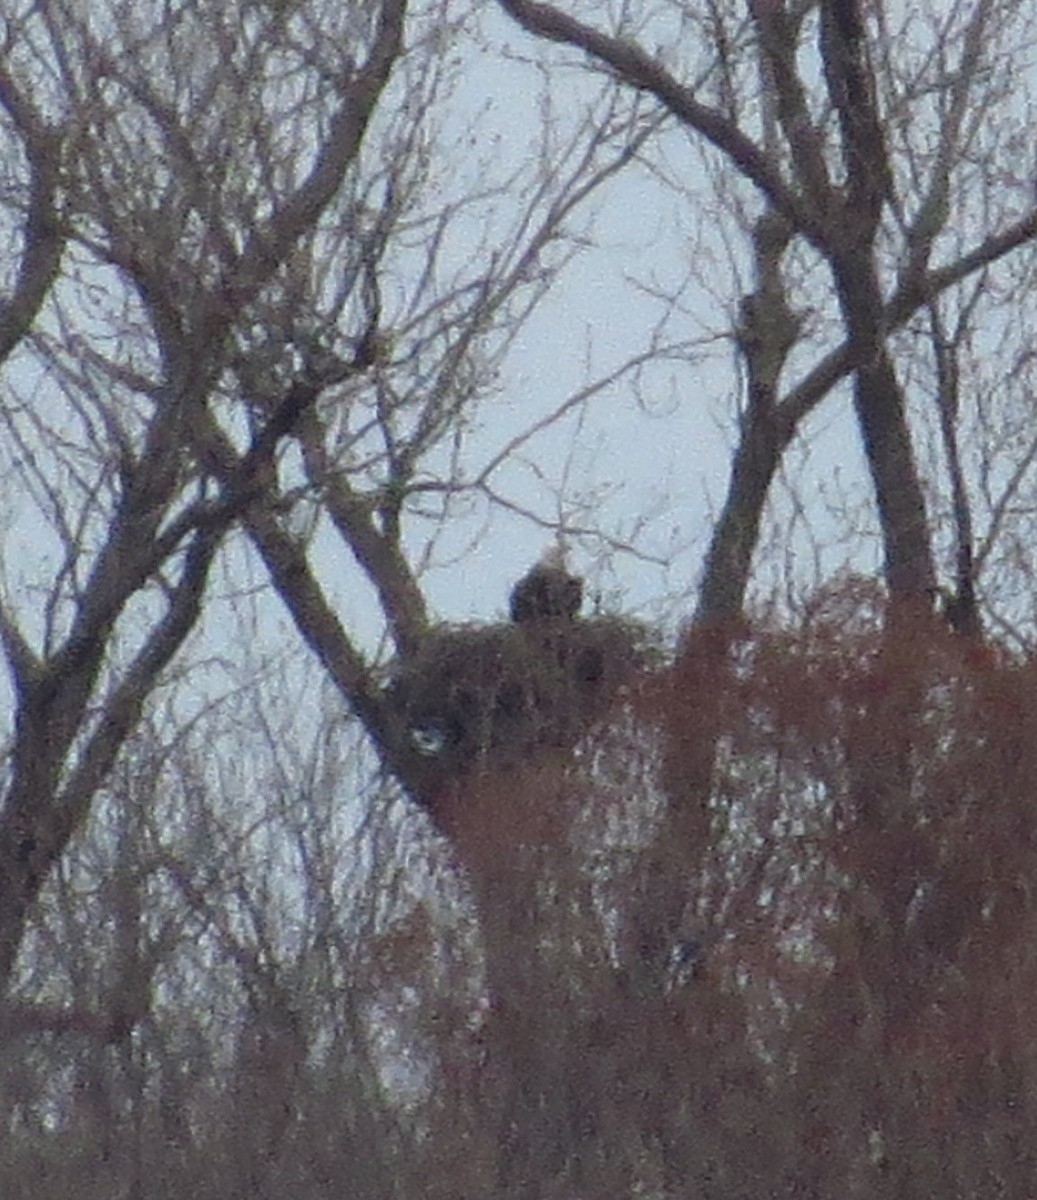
(267, 247)
(852, 91)
(640, 70)
(44, 239)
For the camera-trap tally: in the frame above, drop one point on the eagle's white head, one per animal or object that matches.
(555, 556)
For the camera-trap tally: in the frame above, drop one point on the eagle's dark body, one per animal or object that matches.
(548, 591)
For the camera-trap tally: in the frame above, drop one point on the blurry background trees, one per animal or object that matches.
(743, 911)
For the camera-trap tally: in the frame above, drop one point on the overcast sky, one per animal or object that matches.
(657, 477)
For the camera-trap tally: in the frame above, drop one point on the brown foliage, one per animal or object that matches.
(859, 1022)
(826, 994)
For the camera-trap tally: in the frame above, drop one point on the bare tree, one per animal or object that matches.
(837, 169)
(254, 313)
(247, 201)
(854, 190)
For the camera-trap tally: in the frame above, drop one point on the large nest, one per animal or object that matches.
(495, 695)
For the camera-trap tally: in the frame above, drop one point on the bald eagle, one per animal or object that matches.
(548, 590)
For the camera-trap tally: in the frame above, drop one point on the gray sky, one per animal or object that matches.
(651, 467)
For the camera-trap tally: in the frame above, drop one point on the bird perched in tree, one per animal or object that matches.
(547, 591)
